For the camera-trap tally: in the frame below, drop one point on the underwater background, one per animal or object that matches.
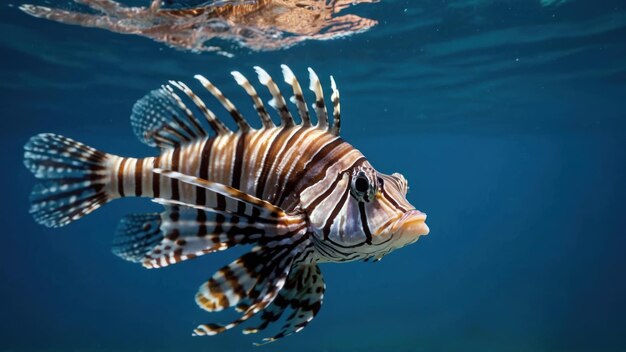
(507, 118)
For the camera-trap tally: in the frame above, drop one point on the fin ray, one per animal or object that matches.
(298, 96)
(266, 121)
(319, 105)
(278, 101)
(226, 103)
(216, 124)
(336, 108)
(189, 233)
(161, 119)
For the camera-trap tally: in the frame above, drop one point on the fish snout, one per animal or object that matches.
(411, 225)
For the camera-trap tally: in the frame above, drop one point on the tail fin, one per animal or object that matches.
(73, 179)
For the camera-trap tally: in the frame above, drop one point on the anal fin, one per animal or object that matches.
(136, 235)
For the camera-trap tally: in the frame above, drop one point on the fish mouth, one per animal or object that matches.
(411, 225)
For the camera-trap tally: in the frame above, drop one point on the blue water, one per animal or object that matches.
(506, 117)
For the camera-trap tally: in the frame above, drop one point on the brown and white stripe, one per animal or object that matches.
(296, 191)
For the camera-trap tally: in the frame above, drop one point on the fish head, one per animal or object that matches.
(384, 209)
(370, 213)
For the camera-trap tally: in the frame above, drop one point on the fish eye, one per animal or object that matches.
(363, 186)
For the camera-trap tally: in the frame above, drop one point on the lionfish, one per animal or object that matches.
(258, 24)
(296, 192)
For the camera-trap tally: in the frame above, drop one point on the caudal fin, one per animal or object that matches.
(73, 179)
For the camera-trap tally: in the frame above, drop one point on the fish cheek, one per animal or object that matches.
(382, 214)
(352, 226)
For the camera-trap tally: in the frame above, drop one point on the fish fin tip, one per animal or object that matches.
(264, 77)
(319, 106)
(288, 74)
(241, 122)
(239, 77)
(278, 100)
(334, 98)
(256, 100)
(298, 97)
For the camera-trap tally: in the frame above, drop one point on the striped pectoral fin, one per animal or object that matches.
(73, 178)
(219, 217)
(179, 234)
(302, 294)
(189, 233)
(253, 281)
(232, 284)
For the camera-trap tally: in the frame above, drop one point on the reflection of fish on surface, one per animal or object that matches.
(297, 192)
(259, 25)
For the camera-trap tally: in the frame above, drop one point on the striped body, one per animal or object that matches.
(278, 165)
(297, 192)
(273, 164)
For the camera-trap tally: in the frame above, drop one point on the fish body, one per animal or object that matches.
(297, 192)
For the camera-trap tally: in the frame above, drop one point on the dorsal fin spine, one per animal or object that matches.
(266, 121)
(161, 119)
(217, 125)
(175, 132)
(336, 107)
(190, 116)
(278, 101)
(319, 105)
(177, 127)
(226, 103)
(298, 96)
